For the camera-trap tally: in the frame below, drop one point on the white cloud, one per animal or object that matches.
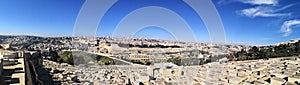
(268, 8)
(285, 7)
(252, 2)
(264, 8)
(259, 2)
(287, 26)
(263, 11)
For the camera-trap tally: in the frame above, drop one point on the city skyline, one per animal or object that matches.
(253, 22)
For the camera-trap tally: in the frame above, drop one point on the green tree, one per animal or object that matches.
(67, 57)
(53, 55)
(176, 60)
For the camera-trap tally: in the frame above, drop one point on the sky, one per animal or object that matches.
(250, 22)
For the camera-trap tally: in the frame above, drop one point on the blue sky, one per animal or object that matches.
(255, 22)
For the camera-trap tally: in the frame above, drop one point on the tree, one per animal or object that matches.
(254, 49)
(54, 55)
(67, 57)
(176, 60)
(265, 52)
(243, 57)
(297, 48)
